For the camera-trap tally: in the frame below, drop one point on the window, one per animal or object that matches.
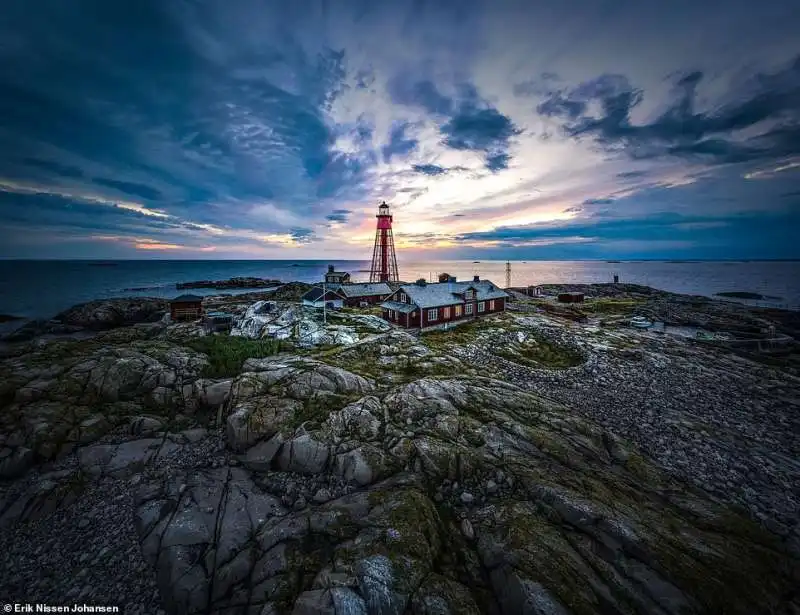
(403, 297)
(491, 305)
(481, 306)
(433, 314)
(446, 313)
(468, 308)
(458, 311)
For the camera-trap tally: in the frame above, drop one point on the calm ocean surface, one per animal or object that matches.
(41, 289)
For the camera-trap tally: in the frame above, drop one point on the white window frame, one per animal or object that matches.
(433, 314)
(481, 306)
(491, 305)
(403, 298)
(468, 309)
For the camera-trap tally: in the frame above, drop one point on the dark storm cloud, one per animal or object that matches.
(466, 121)
(338, 215)
(130, 188)
(302, 235)
(536, 87)
(32, 210)
(404, 90)
(738, 236)
(399, 144)
(479, 127)
(497, 162)
(55, 168)
(770, 100)
(631, 174)
(127, 100)
(429, 169)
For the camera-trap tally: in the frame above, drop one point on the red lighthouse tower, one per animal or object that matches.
(384, 261)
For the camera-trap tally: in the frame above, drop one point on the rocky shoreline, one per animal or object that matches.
(230, 283)
(523, 464)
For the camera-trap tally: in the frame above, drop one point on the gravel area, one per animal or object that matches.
(724, 423)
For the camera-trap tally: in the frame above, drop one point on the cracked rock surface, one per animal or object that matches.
(392, 480)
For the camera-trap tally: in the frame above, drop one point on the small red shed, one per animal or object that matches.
(186, 307)
(570, 298)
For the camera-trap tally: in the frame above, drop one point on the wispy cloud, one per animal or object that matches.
(248, 128)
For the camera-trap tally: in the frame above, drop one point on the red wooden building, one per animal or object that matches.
(570, 298)
(427, 306)
(186, 307)
(356, 295)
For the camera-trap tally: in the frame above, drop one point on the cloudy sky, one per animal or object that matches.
(495, 129)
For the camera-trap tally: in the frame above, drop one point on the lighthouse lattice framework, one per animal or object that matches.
(384, 261)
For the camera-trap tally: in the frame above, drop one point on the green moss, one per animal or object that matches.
(414, 521)
(468, 332)
(366, 361)
(641, 469)
(317, 408)
(724, 572)
(226, 354)
(540, 353)
(549, 443)
(544, 555)
(612, 306)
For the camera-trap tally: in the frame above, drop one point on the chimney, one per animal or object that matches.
(477, 278)
(330, 268)
(420, 282)
(452, 278)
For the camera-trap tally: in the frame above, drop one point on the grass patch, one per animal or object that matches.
(612, 306)
(466, 333)
(226, 353)
(317, 408)
(540, 354)
(366, 360)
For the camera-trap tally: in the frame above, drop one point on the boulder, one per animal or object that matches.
(145, 425)
(50, 492)
(304, 454)
(259, 457)
(357, 421)
(302, 378)
(212, 393)
(126, 459)
(110, 313)
(15, 461)
(362, 465)
(251, 421)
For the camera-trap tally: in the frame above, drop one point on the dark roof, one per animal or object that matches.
(398, 307)
(187, 299)
(365, 289)
(315, 294)
(448, 293)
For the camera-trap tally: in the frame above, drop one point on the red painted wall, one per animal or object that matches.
(414, 321)
(356, 301)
